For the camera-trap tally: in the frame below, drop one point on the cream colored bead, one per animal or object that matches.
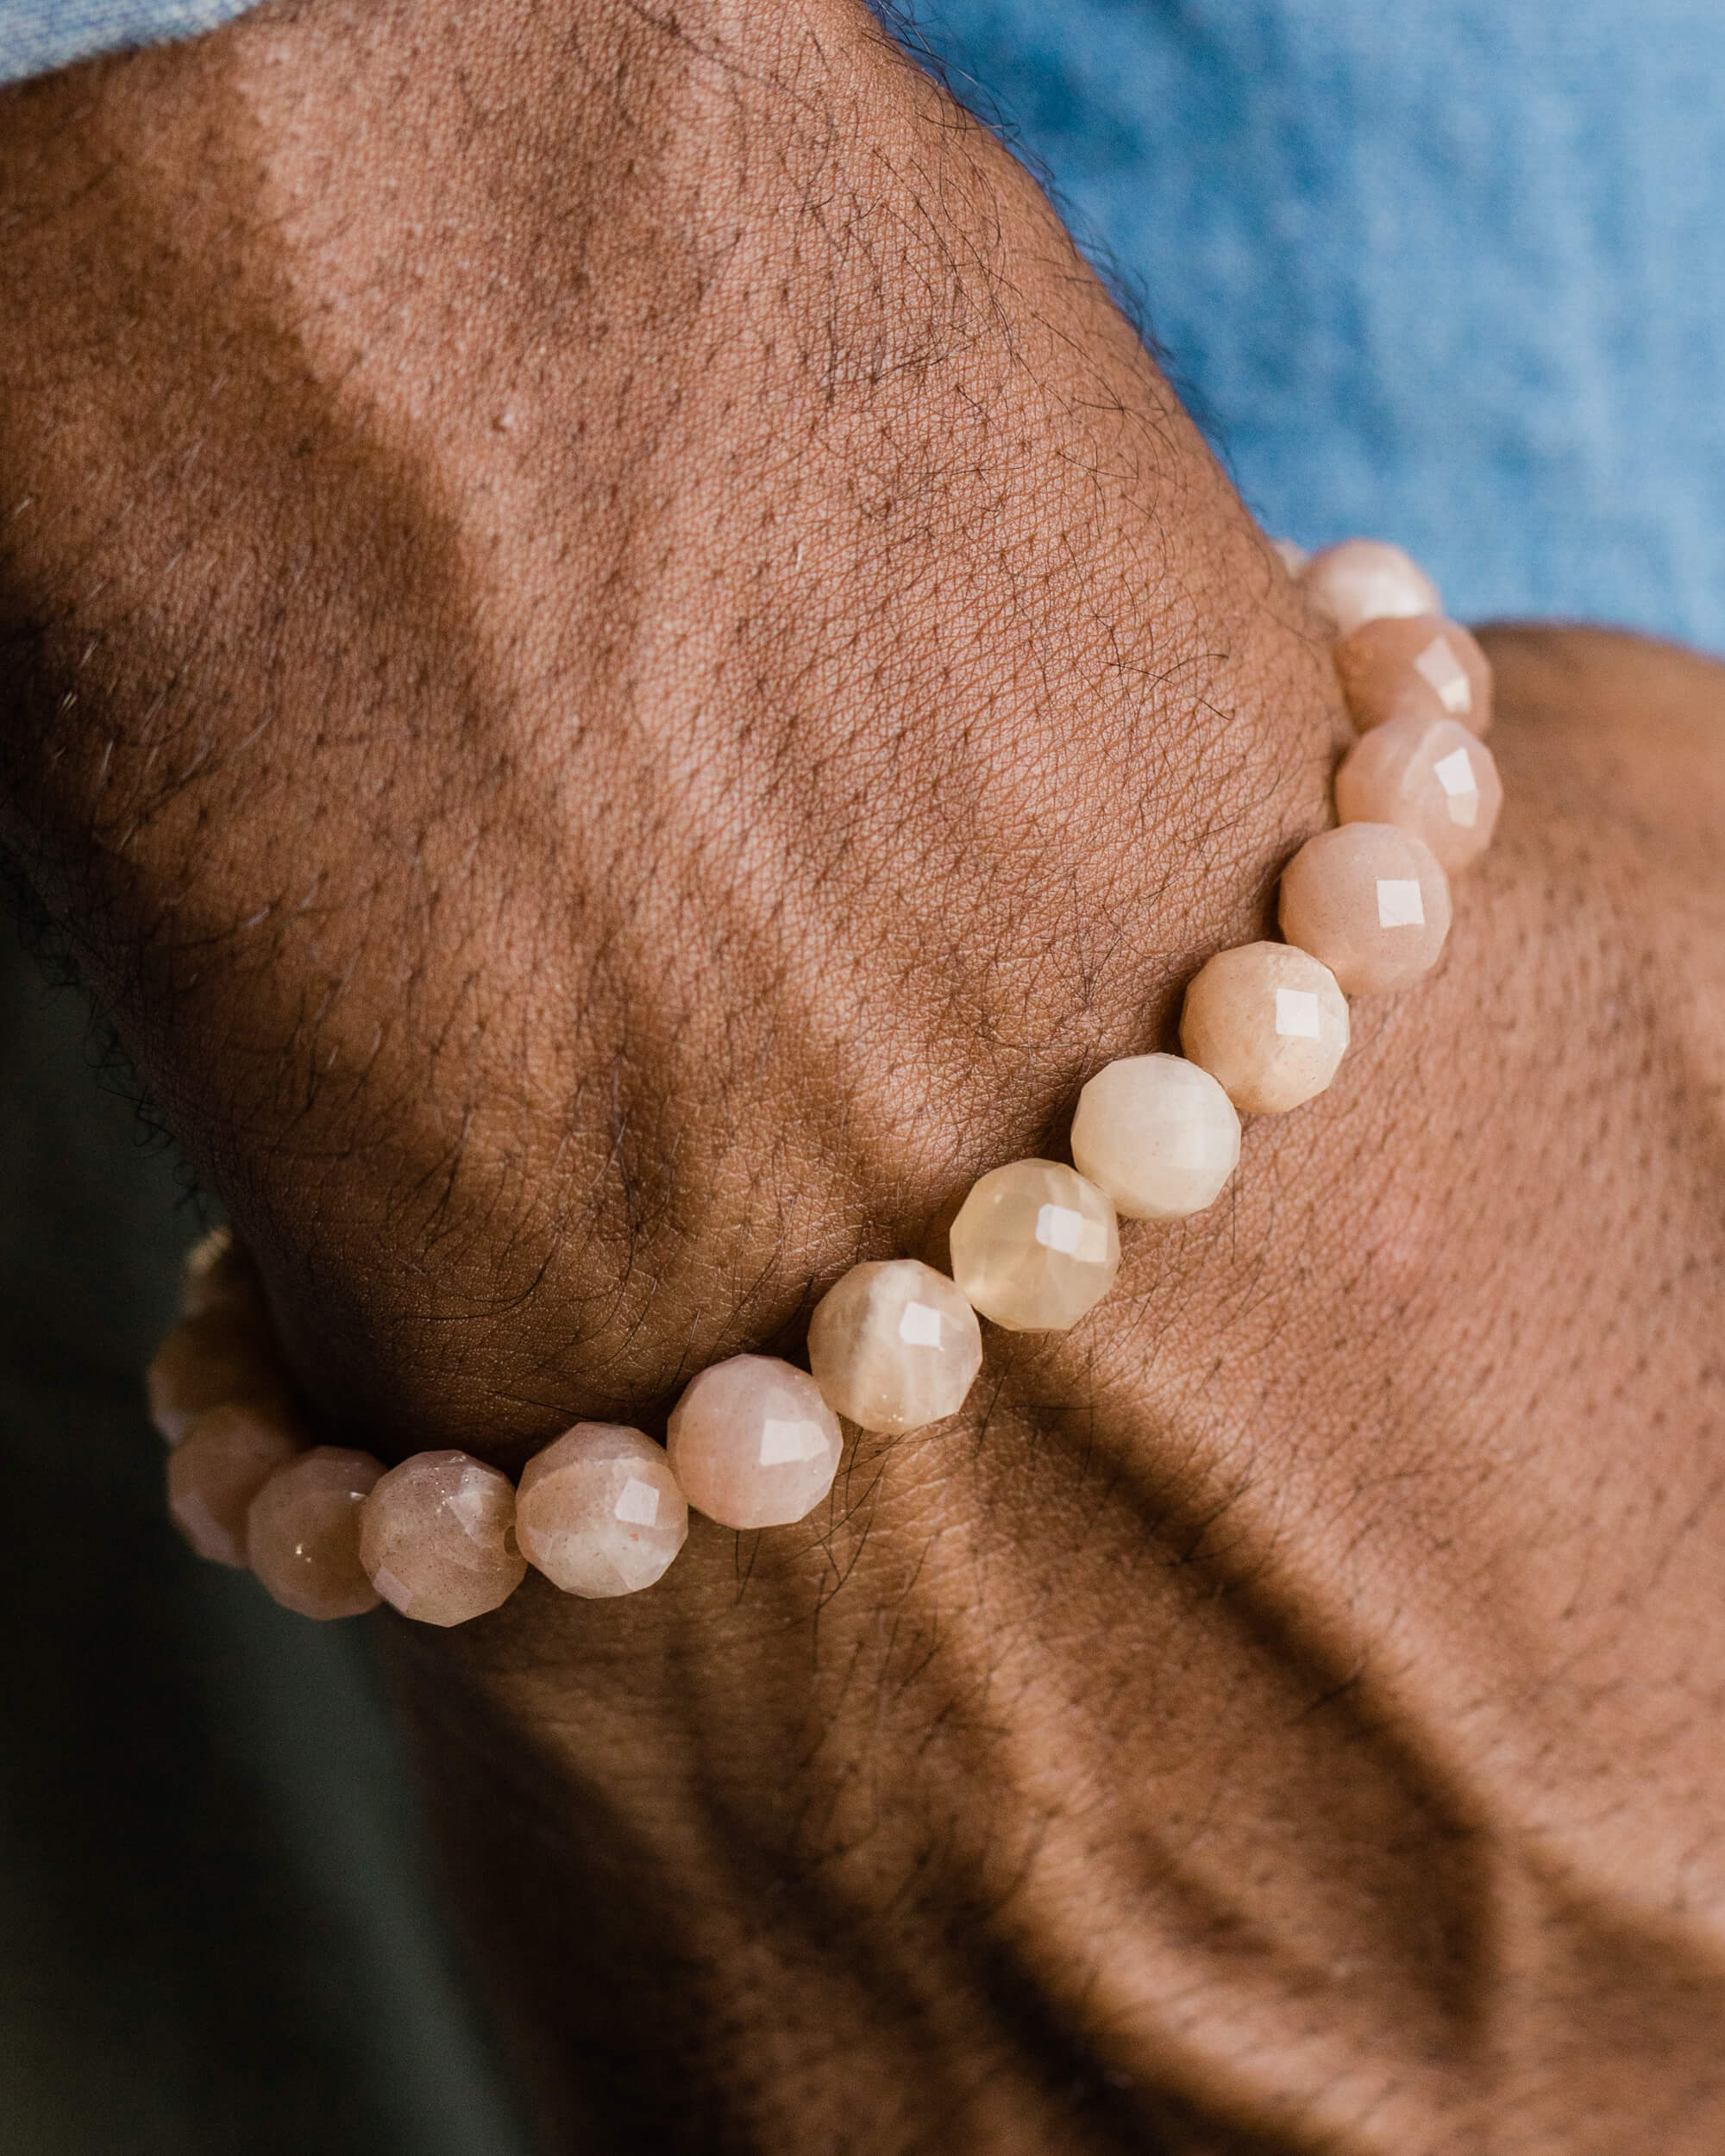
(1035, 1246)
(1365, 580)
(437, 1538)
(895, 1345)
(1369, 901)
(1268, 1024)
(1418, 666)
(1158, 1135)
(752, 1442)
(1429, 776)
(599, 1511)
(1292, 556)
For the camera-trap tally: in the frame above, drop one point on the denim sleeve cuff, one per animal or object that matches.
(36, 36)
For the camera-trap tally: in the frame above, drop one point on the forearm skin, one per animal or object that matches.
(624, 674)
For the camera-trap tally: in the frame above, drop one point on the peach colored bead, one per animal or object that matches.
(220, 1354)
(1268, 1024)
(1420, 667)
(1429, 776)
(1035, 1246)
(600, 1513)
(437, 1538)
(219, 1466)
(752, 1444)
(895, 1345)
(1369, 901)
(1365, 580)
(1292, 556)
(303, 1532)
(219, 1275)
(1157, 1135)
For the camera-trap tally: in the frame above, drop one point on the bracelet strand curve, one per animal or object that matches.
(895, 1345)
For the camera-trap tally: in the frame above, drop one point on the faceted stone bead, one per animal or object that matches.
(753, 1444)
(1158, 1135)
(218, 1468)
(219, 1355)
(1370, 902)
(895, 1345)
(303, 1532)
(1035, 1246)
(1268, 1024)
(437, 1538)
(1418, 667)
(1429, 776)
(1365, 580)
(219, 1275)
(599, 1511)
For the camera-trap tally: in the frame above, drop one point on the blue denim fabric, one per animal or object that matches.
(38, 35)
(1451, 271)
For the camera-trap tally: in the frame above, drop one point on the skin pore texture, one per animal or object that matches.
(622, 674)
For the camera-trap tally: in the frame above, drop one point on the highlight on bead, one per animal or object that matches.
(1270, 1023)
(1413, 666)
(894, 1345)
(599, 1511)
(1158, 1134)
(1035, 1246)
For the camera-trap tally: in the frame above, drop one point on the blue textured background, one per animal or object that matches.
(1445, 270)
(38, 35)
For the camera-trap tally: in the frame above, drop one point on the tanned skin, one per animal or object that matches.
(624, 673)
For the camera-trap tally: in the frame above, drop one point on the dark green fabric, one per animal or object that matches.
(217, 1930)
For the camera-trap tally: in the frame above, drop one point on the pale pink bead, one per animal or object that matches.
(1418, 667)
(218, 1468)
(1035, 1246)
(1429, 776)
(437, 1538)
(1365, 580)
(752, 1442)
(220, 1354)
(1370, 902)
(303, 1532)
(894, 1345)
(1268, 1024)
(1157, 1135)
(600, 1513)
(1292, 556)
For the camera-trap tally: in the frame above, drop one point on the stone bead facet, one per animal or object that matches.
(1370, 902)
(219, 1275)
(895, 1345)
(1366, 579)
(1429, 776)
(437, 1538)
(1035, 1246)
(219, 1355)
(752, 1444)
(599, 1511)
(303, 1532)
(225, 1459)
(1268, 1024)
(1420, 667)
(1158, 1135)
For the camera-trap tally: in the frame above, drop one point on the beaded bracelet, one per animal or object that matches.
(755, 1442)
